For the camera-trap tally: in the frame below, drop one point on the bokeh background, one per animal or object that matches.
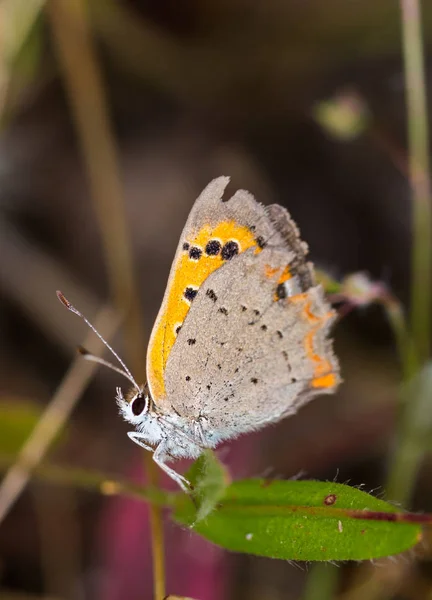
(302, 103)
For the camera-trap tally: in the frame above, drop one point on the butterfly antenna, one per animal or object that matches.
(101, 361)
(91, 357)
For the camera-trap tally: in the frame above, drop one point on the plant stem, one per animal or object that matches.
(322, 582)
(97, 482)
(54, 417)
(83, 80)
(408, 454)
(419, 176)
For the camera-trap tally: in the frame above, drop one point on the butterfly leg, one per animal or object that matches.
(199, 434)
(160, 456)
(138, 439)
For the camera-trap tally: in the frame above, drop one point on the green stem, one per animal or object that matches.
(418, 141)
(96, 482)
(322, 582)
(408, 454)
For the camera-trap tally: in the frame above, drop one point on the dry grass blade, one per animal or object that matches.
(54, 417)
(20, 279)
(78, 62)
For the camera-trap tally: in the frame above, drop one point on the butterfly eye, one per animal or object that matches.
(139, 405)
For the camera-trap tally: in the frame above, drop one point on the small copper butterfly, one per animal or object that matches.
(241, 338)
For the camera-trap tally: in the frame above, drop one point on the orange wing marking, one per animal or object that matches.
(326, 381)
(286, 274)
(270, 271)
(189, 273)
(323, 375)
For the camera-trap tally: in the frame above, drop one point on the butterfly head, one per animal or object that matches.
(136, 405)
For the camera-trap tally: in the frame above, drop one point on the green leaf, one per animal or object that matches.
(17, 420)
(209, 479)
(304, 520)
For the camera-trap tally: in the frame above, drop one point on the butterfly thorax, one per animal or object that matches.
(183, 437)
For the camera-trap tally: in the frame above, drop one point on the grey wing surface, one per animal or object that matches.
(240, 359)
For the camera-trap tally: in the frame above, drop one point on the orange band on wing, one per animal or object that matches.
(286, 274)
(324, 376)
(326, 381)
(192, 268)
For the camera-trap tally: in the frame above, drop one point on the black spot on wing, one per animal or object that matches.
(281, 292)
(211, 294)
(195, 253)
(190, 293)
(230, 250)
(213, 248)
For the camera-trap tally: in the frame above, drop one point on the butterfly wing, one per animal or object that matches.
(216, 233)
(241, 337)
(246, 356)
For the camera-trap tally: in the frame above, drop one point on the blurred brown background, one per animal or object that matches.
(196, 90)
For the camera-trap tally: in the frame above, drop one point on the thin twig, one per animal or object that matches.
(321, 583)
(71, 31)
(101, 483)
(419, 176)
(408, 454)
(55, 416)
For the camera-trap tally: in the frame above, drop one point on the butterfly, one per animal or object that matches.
(242, 336)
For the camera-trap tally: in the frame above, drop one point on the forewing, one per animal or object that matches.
(217, 232)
